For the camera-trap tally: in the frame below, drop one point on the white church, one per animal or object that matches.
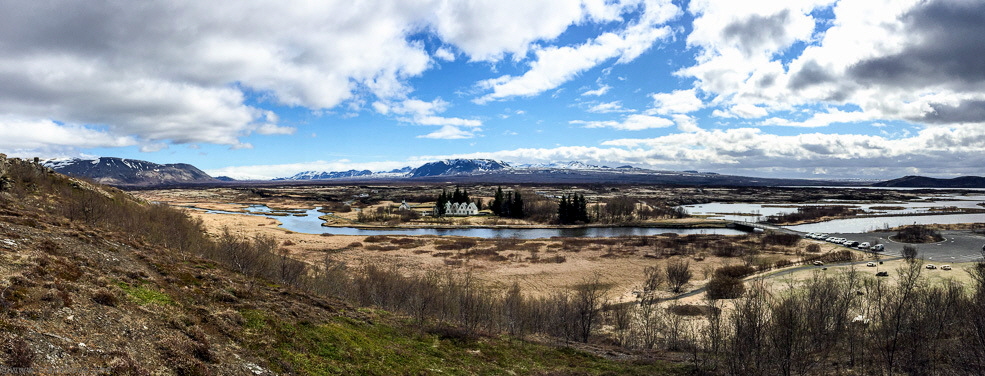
(459, 209)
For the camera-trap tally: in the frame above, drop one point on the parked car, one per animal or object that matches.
(864, 245)
(945, 267)
(931, 266)
(852, 244)
(882, 274)
(818, 263)
(872, 264)
(878, 248)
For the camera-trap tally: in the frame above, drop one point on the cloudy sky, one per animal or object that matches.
(262, 89)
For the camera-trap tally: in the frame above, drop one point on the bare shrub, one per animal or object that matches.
(909, 253)
(813, 248)
(678, 274)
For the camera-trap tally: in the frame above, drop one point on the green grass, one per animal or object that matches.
(347, 346)
(142, 295)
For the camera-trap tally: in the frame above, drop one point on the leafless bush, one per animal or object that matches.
(678, 274)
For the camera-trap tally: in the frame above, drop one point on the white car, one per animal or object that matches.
(870, 264)
(878, 248)
(864, 245)
(945, 267)
(818, 263)
(931, 266)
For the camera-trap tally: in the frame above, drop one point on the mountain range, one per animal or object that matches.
(927, 182)
(131, 172)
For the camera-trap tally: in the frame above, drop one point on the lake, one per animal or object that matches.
(307, 221)
(310, 224)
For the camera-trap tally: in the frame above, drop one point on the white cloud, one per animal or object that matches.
(444, 54)
(598, 92)
(676, 102)
(554, 65)
(883, 56)
(450, 132)
(634, 122)
(49, 138)
(823, 119)
(416, 111)
(749, 151)
(267, 172)
(486, 30)
(608, 107)
(686, 123)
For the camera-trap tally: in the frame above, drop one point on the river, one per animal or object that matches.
(308, 222)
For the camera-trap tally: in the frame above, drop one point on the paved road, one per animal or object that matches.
(958, 246)
(781, 273)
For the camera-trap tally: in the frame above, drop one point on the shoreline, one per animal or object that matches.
(716, 224)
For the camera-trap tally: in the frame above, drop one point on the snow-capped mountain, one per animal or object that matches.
(570, 165)
(119, 171)
(459, 167)
(315, 175)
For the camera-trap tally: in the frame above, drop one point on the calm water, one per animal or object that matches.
(755, 212)
(860, 225)
(310, 224)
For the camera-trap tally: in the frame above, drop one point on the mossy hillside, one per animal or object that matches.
(345, 345)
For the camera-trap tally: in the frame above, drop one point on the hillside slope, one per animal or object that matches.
(129, 172)
(927, 182)
(91, 278)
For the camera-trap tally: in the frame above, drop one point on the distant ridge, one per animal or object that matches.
(570, 172)
(458, 167)
(314, 175)
(129, 172)
(928, 182)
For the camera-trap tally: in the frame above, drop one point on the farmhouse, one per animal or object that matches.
(460, 209)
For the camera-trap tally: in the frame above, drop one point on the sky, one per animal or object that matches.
(870, 89)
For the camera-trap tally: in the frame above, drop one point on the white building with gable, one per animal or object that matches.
(460, 209)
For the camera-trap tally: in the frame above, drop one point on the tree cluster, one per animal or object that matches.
(572, 209)
(459, 196)
(509, 205)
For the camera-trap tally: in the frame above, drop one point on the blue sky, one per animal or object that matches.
(811, 88)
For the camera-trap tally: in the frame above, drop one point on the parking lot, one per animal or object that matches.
(957, 247)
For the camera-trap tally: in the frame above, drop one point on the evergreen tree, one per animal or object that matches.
(497, 203)
(465, 196)
(442, 199)
(516, 206)
(563, 211)
(507, 207)
(457, 196)
(581, 209)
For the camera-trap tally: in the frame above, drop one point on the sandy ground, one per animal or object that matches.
(618, 266)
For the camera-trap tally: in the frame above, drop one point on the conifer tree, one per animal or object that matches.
(563, 211)
(442, 199)
(516, 206)
(497, 203)
(457, 196)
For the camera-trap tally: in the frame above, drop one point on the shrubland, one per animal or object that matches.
(92, 277)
